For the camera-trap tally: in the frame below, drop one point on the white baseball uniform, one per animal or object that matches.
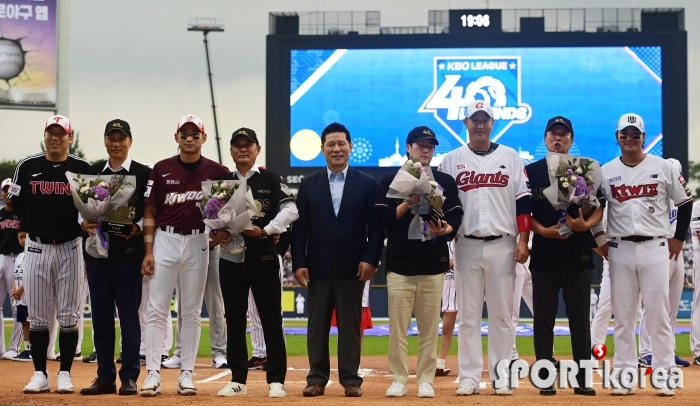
(594, 303)
(489, 186)
(449, 294)
(675, 290)
(7, 269)
(695, 312)
(522, 290)
(639, 203)
(143, 314)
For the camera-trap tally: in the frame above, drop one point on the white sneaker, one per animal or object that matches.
(425, 390)
(185, 386)
(172, 363)
(467, 387)
(10, 354)
(396, 390)
(38, 384)
(219, 362)
(51, 357)
(277, 390)
(665, 392)
(504, 391)
(63, 383)
(151, 386)
(622, 391)
(234, 389)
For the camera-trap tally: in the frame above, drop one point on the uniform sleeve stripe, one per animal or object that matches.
(521, 194)
(685, 201)
(38, 154)
(456, 207)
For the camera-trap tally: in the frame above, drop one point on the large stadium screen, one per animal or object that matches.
(380, 94)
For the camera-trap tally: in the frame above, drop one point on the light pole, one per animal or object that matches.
(207, 25)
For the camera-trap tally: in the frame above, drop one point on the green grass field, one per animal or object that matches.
(296, 344)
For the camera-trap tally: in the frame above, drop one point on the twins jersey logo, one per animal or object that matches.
(50, 188)
(459, 80)
(469, 180)
(623, 192)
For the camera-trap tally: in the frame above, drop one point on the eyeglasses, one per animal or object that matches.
(634, 137)
(194, 134)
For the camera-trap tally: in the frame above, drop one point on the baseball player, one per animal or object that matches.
(639, 189)
(300, 301)
(258, 271)
(496, 198)
(594, 302)
(675, 290)
(177, 249)
(19, 302)
(215, 308)
(695, 311)
(9, 249)
(53, 258)
(449, 314)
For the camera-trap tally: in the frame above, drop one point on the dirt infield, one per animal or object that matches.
(14, 375)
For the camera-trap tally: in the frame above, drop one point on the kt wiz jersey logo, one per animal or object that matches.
(459, 80)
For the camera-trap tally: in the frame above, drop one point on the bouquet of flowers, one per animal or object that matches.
(415, 179)
(92, 196)
(228, 205)
(573, 185)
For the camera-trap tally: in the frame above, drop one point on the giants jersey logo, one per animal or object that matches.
(623, 192)
(50, 188)
(173, 198)
(469, 180)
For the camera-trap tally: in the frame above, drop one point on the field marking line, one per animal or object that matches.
(215, 377)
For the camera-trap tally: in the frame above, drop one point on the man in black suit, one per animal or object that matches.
(336, 244)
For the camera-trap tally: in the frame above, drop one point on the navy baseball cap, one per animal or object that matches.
(421, 133)
(245, 132)
(559, 120)
(118, 125)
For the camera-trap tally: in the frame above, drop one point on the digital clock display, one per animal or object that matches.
(466, 21)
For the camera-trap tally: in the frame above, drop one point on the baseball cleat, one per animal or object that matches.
(151, 386)
(90, 358)
(257, 363)
(425, 390)
(10, 354)
(185, 386)
(681, 362)
(645, 361)
(64, 383)
(665, 392)
(38, 384)
(173, 362)
(441, 369)
(219, 362)
(233, 389)
(696, 360)
(25, 356)
(467, 387)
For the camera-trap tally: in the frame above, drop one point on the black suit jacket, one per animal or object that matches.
(327, 244)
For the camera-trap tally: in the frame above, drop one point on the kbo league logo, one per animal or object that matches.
(459, 80)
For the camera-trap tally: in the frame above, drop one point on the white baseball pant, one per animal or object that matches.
(182, 260)
(523, 289)
(636, 268)
(675, 290)
(695, 311)
(143, 314)
(257, 339)
(484, 269)
(603, 314)
(214, 302)
(7, 267)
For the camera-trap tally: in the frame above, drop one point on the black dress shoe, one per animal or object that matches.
(128, 388)
(549, 391)
(99, 387)
(584, 391)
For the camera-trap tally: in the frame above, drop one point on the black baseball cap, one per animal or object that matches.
(560, 120)
(118, 125)
(421, 133)
(245, 132)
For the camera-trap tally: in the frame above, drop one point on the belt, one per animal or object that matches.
(484, 239)
(177, 230)
(51, 241)
(637, 238)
